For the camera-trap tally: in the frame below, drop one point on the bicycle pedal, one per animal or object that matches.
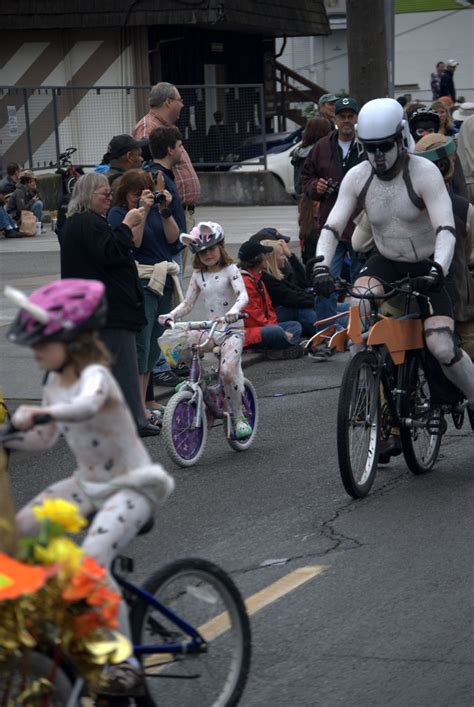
(437, 425)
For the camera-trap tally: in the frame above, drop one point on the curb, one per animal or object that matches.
(161, 392)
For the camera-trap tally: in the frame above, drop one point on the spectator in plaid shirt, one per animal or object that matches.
(165, 108)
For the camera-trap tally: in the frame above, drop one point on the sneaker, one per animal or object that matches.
(12, 233)
(149, 430)
(123, 679)
(167, 378)
(242, 428)
(284, 354)
(183, 371)
(321, 354)
(390, 447)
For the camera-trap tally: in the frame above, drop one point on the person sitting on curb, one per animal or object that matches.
(7, 224)
(25, 198)
(291, 302)
(263, 331)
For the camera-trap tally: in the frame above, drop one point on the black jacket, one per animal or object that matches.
(90, 249)
(446, 85)
(283, 293)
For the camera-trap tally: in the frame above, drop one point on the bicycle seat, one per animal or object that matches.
(147, 527)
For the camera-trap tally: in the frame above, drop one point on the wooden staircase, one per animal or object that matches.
(289, 90)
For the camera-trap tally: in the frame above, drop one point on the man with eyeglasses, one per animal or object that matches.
(411, 215)
(165, 109)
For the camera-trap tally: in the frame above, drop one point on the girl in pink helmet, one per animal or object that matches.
(114, 483)
(223, 289)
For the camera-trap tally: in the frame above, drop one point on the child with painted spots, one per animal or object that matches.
(114, 483)
(223, 289)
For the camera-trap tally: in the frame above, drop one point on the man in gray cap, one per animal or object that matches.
(326, 106)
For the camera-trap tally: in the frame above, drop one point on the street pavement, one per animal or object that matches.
(385, 616)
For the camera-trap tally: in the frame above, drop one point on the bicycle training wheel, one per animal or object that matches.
(250, 410)
(183, 441)
(20, 674)
(204, 596)
(420, 444)
(358, 425)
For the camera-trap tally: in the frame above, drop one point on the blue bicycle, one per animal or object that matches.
(191, 633)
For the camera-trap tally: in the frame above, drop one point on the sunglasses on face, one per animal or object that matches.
(386, 146)
(422, 131)
(104, 193)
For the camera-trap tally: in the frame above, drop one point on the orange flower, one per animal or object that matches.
(103, 595)
(17, 578)
(83, 583)
(87, 623)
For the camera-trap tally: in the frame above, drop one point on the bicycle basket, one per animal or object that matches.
(175, 347)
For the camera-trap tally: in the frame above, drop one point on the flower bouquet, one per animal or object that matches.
(56, 600)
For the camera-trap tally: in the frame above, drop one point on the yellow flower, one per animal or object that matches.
(66, 514)
(60, 551)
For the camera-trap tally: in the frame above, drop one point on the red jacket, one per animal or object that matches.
(259, 309)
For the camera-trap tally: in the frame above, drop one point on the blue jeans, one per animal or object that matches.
(6, 221)
(328, 306)
(305, 316)
(273, 336)
(37, 208)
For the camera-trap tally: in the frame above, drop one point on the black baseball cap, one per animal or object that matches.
(251, 249)
(121, 144)
(269, 234)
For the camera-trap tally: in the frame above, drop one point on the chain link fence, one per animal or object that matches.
(221, 124)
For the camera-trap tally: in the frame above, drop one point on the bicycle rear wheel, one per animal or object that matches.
(184, 441)
(204, 596)
(21, 673)
(420, 444)
(250, 410)
(358, 425)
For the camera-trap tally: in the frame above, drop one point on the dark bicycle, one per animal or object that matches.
(393, 386)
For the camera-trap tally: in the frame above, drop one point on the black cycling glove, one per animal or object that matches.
(323, 281)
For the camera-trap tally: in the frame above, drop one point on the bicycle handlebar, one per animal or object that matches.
(402, 286)
(11, 431)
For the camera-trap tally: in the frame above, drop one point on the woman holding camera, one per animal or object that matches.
(155, 242)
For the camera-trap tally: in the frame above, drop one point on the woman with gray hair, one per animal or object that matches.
(91, 249)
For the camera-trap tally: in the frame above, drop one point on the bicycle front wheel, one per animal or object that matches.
(421, 442)
(184, 441)
(250, 410)
(20, 674)
(204, 596)
(358, 425)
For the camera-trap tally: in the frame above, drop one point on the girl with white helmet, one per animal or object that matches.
(115, 481)
(411, 217)
(221, 284)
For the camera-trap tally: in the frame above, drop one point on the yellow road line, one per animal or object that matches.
(216, 626)
(220, 623)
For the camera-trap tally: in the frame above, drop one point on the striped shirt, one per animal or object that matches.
(186, 179)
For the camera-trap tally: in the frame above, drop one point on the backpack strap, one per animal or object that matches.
(414, 198)
(363, 191)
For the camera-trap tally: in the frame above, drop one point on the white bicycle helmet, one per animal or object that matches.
(203, 236)
(379, 120)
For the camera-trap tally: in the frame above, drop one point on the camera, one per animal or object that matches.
(159, 197)
(332, 187)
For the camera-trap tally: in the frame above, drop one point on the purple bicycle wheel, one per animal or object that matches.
(184, 441)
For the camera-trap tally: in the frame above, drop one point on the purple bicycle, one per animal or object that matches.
(200, 400)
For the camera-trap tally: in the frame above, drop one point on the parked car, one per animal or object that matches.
(278, 163)
(253, 146)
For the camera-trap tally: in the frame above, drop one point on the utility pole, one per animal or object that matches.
(370, 48)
